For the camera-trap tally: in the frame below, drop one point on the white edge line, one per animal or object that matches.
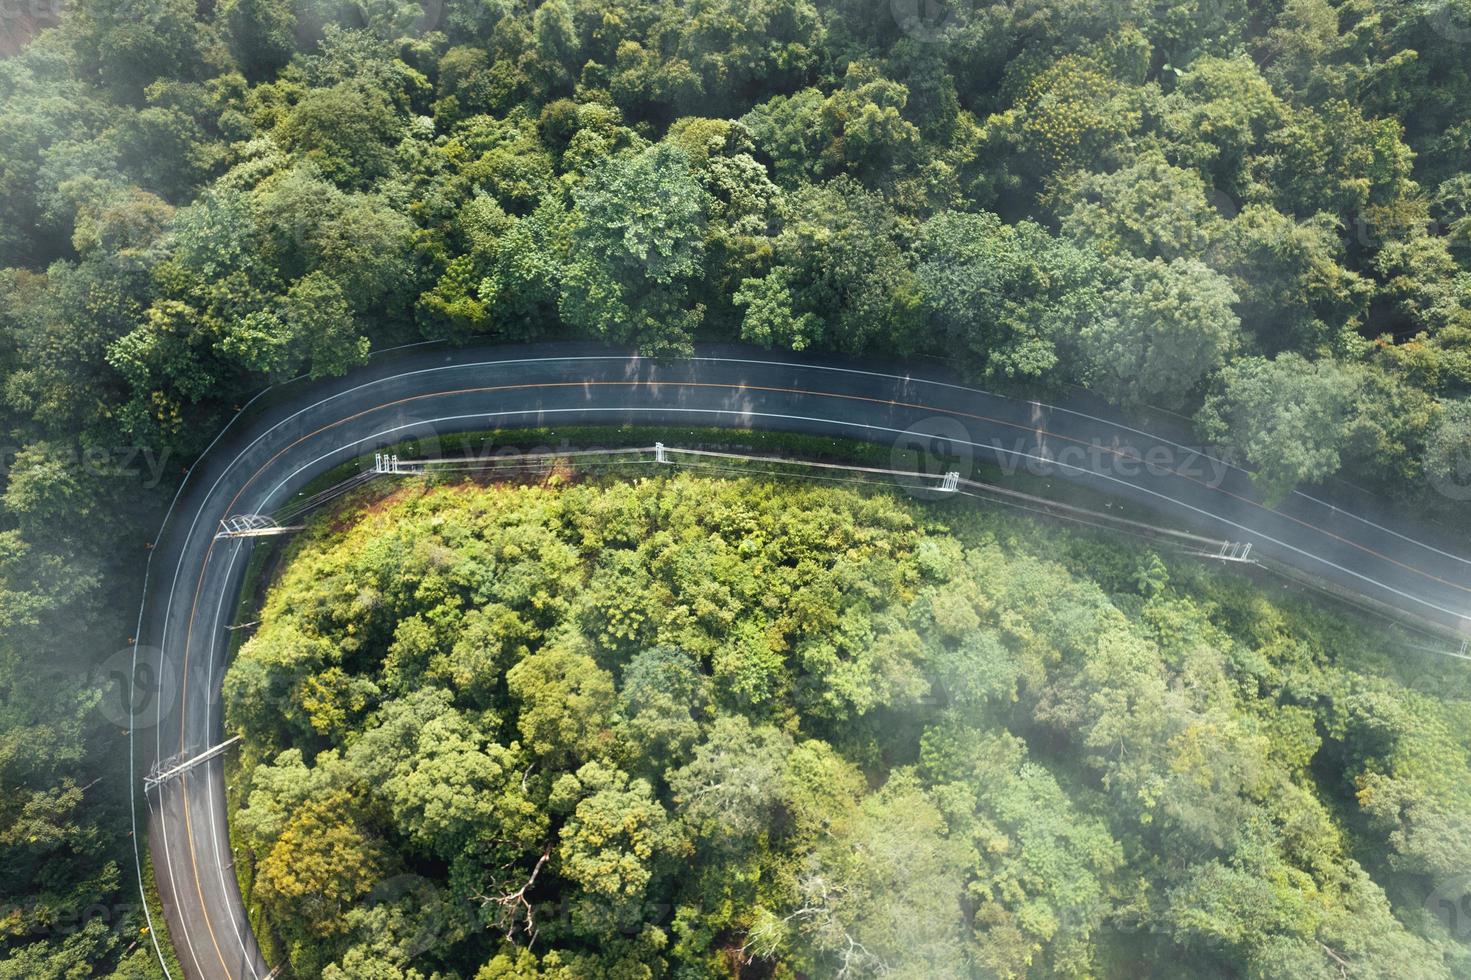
(713, 359)
(881, 428)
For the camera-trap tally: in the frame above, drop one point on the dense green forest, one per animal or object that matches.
(1188, 205)
(1259, 216)
(693, 727)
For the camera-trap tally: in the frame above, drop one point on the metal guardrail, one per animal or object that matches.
(946, 483)
(659, 454)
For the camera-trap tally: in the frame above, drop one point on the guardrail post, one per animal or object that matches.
(659, 455)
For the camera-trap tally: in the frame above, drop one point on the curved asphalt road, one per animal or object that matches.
(300, 430)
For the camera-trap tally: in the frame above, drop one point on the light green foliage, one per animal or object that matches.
(314, 855)
(616, 840)
(771, 318)
(48, 488)
(1219, 112)
(440, 777)
(642, 215)
(837, 278)
(662, 696)
(1148, 209)
(822, 728)
(279, 280)
(313, 325)
(730, 790)
(859, 130)
(1292, 288)
(879, 897)
(1448, 458)
(566, 704)
(1041, 865)
(1073, 114)
(348, 130)
(637, 241)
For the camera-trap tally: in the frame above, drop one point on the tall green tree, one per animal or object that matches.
(616, 845)
(349, 131)
(1164, 327)
(1286, 416)
(637, 244)
(838, 276)
(1003, 297)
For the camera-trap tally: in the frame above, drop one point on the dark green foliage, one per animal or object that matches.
(799, 175)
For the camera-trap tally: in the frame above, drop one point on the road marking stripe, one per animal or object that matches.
(734, 387)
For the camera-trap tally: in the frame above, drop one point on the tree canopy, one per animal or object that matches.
(991, 187)
(1212, 207)
(720, 727)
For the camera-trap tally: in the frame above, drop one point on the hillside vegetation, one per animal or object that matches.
(697, 727)
(1255, 214)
